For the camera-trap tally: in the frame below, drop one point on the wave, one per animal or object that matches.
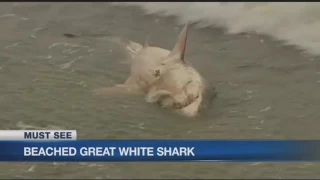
(295, 23)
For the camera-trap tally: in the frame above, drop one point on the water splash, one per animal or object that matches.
(295, 23)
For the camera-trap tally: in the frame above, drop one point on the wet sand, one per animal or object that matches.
(265, 90)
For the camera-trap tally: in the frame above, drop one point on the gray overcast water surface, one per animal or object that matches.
(265, 90)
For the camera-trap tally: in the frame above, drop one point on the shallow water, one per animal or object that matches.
(265, 90)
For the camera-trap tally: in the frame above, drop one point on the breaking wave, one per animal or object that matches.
(295, 23)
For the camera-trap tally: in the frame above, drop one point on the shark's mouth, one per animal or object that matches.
(189, 101)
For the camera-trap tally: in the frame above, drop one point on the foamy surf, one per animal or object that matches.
(295, 23)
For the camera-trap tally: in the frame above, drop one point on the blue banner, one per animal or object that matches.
(160, 150)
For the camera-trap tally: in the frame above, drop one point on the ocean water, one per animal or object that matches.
(261, 58)
(295, 23)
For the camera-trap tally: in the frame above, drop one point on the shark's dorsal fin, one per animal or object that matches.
(181, 44)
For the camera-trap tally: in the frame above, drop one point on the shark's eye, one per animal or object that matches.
(157, 73)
